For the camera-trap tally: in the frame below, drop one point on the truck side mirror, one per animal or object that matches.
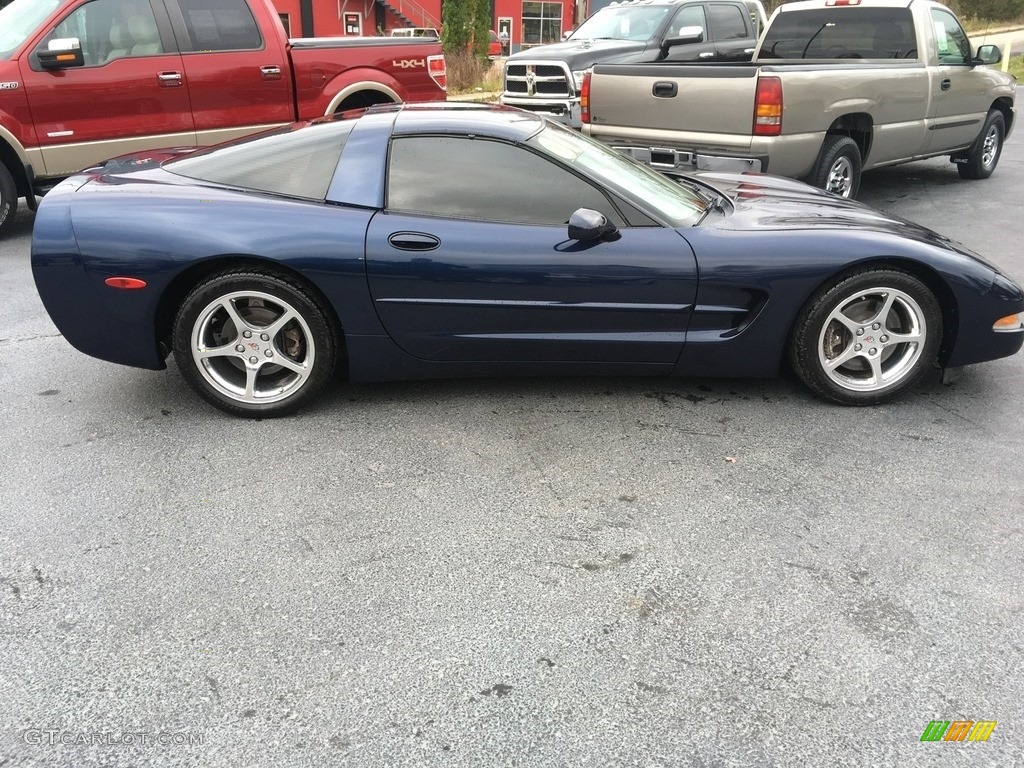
(62, 52)
(685, 36)
(587, 224)
(988, 54)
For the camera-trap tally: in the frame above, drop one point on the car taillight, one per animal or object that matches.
(585, 98)
(838, 3)
(438, 70)
(768, 107)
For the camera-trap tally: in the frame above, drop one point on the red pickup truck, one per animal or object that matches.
(85, 80)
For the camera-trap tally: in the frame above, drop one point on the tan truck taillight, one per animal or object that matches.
(768, 107)
(585, 98)
(438, 70)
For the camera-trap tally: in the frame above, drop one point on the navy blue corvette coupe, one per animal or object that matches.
(425, 241)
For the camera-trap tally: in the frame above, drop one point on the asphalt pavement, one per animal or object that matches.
(613, 572)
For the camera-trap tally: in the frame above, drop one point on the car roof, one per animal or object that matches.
(491, 120)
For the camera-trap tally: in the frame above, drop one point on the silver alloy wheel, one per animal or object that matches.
(840, 177)
(253, 347)
(872, 339)
(990, 147)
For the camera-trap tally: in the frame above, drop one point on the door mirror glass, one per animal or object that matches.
(62, 52)
(586, 224)
(989, 54)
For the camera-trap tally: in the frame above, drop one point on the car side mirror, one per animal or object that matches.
(586, 224)
(685, 36)
(566, 34)
(62, 52)
(988, 54)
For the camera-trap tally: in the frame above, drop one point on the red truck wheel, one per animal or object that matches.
(8, 198)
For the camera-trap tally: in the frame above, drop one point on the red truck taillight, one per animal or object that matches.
(585, 98)
(438, 70)
(768, 107)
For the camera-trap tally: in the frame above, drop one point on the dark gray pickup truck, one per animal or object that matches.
(547, 78)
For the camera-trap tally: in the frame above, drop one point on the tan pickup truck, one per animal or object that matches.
(836, 87)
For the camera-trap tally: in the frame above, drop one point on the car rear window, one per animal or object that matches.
(855, 32)
(298, 161)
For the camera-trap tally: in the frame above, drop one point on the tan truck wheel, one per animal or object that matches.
(838, 168)
(983, 156)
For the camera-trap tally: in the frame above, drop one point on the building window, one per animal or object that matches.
(542, 23)
(286, 19)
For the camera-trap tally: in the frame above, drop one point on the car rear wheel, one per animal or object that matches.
(839, 166)
(984, 155)
(254, 344)
(8, 199)
(867, 337)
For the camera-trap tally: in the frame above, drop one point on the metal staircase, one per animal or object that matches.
(412, 13)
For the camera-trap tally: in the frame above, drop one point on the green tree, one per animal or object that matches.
(456, 25)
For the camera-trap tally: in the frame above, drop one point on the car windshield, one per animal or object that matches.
(19, 20)
(681, 206)
(622, 23)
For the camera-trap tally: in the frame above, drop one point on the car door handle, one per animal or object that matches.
(270, 73)
(946, 84)
(665, 89)
(169, 79)
(413, 241)
(706, 55)
(748, 51)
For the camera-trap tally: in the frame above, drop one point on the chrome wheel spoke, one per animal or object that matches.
(883, 313)
(275, 327)
(837, 315)
(291, 365)
(225, 350)
(251, 372)
(844, 357)
(875, 362)
(914, 337)
(228, 306)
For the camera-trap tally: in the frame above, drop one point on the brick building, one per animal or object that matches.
(528, 22)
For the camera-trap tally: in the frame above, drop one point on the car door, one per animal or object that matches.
(690, 16)
(471, 261)
(129, 95)
(958, 90)
(238, 78)
(730, 31)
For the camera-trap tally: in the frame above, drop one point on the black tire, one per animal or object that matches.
(838, 168)
(8, 199)
(983, 156)
(257, 374)
(872, 364)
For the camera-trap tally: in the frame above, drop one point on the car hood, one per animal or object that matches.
(771, 202)
(580, 54)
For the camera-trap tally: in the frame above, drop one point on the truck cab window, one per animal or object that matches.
(951, 44)
(727, 22)
(689, 16)
(111, 29)
(220, 25)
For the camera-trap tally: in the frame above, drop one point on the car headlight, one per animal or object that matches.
(577, 79)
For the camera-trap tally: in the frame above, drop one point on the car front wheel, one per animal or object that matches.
(867, 337)
(254, 344)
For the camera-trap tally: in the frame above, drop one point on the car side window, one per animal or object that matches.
(689, 16)
(220, 25)
(486, 180)
(951, 43)
(111, 29)
(727, 22)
